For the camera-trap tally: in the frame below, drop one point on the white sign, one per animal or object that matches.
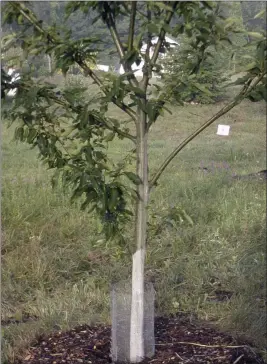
(102, 67)
(223, 130)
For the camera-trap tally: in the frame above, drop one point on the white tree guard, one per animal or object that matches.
(123, 347)
(137, 311)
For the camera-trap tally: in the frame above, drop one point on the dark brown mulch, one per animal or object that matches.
(178, 340)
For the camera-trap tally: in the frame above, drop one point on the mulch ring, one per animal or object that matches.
(178, 341)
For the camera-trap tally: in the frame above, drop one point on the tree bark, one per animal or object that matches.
(137, 309)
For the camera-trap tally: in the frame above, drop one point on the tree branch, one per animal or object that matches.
(120, 104)
(88, 71)
(132, 27)
(77, 109)
(247, 88)
(154, 58)
(147, 69)
(163, 33)
(116, 39)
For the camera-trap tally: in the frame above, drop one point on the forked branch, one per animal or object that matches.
(162, 34)
(117, 41)
(148, 69)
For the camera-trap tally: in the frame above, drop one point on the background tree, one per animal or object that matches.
(244, 16)
(72, 132)
(256, 53)
(239, 51)
(249, 9)
(205, 85)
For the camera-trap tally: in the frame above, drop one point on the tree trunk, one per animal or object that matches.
(137, 308)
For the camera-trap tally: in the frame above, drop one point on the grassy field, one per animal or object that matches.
(56, 269)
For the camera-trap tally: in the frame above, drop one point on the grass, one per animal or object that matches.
(56, 268)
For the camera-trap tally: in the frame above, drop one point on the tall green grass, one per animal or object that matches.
(57, 269)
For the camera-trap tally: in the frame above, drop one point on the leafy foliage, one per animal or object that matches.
(203, 86)
(257, 63)
(75, 144)
(196, 70)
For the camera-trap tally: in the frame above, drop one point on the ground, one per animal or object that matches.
(178, 341)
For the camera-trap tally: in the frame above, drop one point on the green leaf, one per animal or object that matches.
(202, 88)
(260, 14)
(168, 110)
(20, 19)
(227, 39)
(109, 137)
(150, 109)
(137, 90)
(31, 136)
(91, 209)
(250, 66)
(88, 155)
(152, 28)
(158, 88)
(133, 177)
(256, 35)
(19, 132)
(167, 28)
(112, 202)
(86, 118)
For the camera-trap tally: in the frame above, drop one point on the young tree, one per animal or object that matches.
(72, 132)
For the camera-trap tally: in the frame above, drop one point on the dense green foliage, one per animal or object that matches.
(205, 85)
(238, 52)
